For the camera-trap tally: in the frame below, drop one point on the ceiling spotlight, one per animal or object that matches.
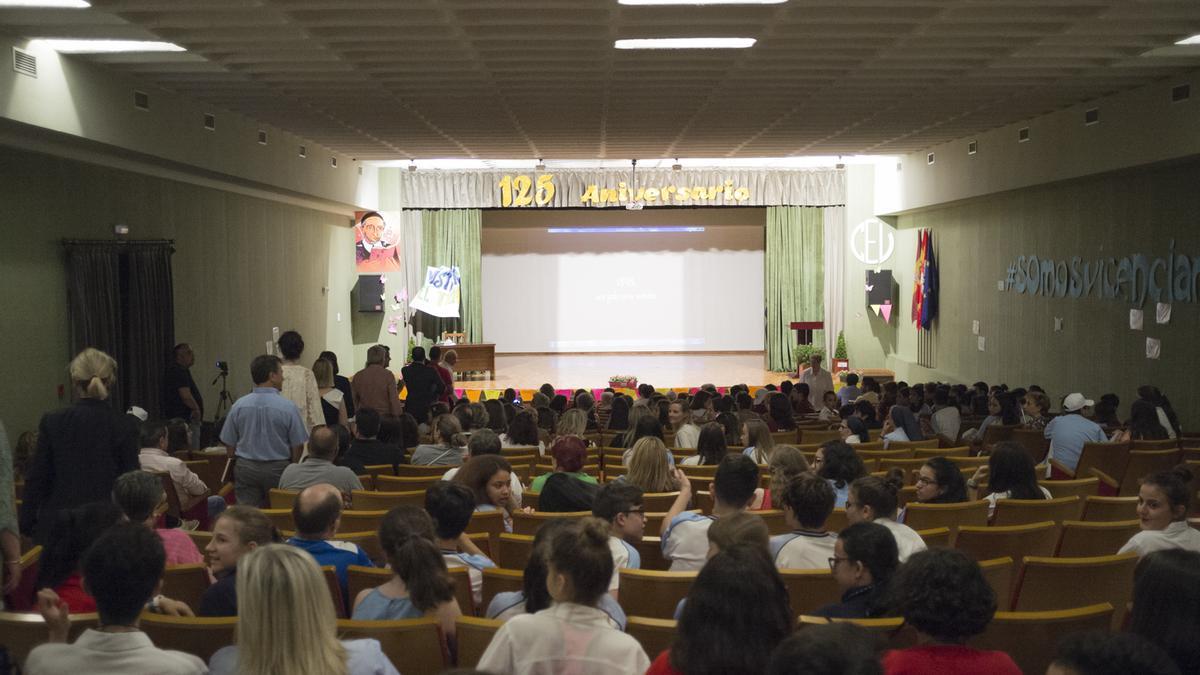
(412, 165)
(676, 166)
(57, 4)
(1193, 40)
(67, 46)
(541, 165)
(685, 43)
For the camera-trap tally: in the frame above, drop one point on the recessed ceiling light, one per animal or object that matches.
(686, 43)
(64, 46)
(1194, 40)
(702, 2)
(61, 4)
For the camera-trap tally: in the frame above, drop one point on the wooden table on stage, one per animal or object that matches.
(474, 357)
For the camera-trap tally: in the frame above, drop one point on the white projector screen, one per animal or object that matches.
(626, 286)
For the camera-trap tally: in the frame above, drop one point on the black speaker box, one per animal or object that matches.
(370, 293)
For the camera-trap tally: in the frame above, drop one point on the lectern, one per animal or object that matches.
(804, 330)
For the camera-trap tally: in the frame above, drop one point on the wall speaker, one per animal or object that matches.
(370, 293)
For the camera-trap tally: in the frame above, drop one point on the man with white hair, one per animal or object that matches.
(818, 380)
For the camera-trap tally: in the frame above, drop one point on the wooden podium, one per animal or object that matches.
(804, 330)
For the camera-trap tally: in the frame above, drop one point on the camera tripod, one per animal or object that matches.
(225, 399)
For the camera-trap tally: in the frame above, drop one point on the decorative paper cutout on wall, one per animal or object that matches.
(1153, 348)
(1162, 312)
(1136, 319)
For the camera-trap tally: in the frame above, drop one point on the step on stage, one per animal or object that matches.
(663, 370)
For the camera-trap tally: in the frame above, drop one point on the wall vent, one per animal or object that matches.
(1023, 135)
(929, 158)
(24, 62)
(262, 137)
(141, 100)
(333, 162)
(303, 151)
(1091, 116)
(210, 122)
(1181, 93)
(972, 147)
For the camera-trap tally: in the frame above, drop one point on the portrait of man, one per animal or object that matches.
(376, 245)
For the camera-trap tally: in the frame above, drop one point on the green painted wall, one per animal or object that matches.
(1113, 215)
(242, 265)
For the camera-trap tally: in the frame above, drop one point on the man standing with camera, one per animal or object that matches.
(181, 397)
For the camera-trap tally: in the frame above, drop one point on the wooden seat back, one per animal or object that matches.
(282, 499)
(920, 516)
(1024, 511)
(361, 520)
(1031, 638)
(404, 483)
(953, 451)
(1012, 541)
(1065, 583)
(281, 519)
(514, 550)
(1108, 458)
(529, 523)
(654, 635)
(810, 590)
(20, 632)
(652, 593)
(935, 536)
(1075, 487)
(490, 523)
(199, 636)
(999, 574)
(416, 643)
(186, 583)
(1034, 442)
(1142, 463)
(1109, 509)
(499, 580)
(420, 471)
(372, 500)
(1082, 539)
(473, 635)
(650, 550)
(359, 579)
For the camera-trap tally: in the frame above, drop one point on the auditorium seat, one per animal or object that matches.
(362, 520)
(200, 636)
(892, 629)
(369, 500)
(529, 523)
(954, 451)
(529, 498)
(653, 593)
(654, 635)
(1141, 464)
(200, 538)
(655, 502)
(836, 521)
(650, 549)
(925, 516)
(376, 470)
(186, 583)
(419, 471)
(473, 635)
(927, 444)
(20, 632)
(1023, 511)
(818, 436)
(1110, 458)
(281, 519)
(776, 524)
(1081, 539)
(499, 580)
(908, 466)
(1034, 442)
(1031, 638)
(935, 536)
(404, 483)
(967, 464)
(999, 574)
(1064, 583)
(416, 645)
(906, 496)
(1013, 541)
(341, 604)
(490, 523)
(282, 499)
(513, 550)
(810, 590)
(1165, 444)
(1076, 487)
(368, 542)
(520, 451)
(359, 578)
(1109, 509)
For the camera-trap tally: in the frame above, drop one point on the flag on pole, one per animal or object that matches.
(918, 294)
(929, 285)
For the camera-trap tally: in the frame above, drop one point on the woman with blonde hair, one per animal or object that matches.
(785, 465)
(572, 423)
(649, 468)
(756, 436)
(81, 449)
(333, 401)
(287, 623)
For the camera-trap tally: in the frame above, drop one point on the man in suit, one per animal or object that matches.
(423, 383)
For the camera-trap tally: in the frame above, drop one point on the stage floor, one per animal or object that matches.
(591, 371)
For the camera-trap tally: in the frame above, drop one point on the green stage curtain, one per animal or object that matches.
(452, 237)
(795, 277)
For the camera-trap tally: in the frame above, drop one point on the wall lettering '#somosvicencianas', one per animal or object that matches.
(1135, 277)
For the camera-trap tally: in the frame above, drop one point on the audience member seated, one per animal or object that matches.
(523, 431)
(534, 595)
(190, 488)
(864, 559)
(1162, 407)
(834, 649)
(620, 505)
(237, 531)
(779, 412)
(421, 586)
(485, 442)
(687, 434)
(943, 595)
(445, 450)
(568, 456)
(710, 448)
(139, 495)
(1070, 430)
(1010, 474)
(806, 502)
(573, 634)
(1104, 412)
(1100, 653)
(451, 505)
(642, 423)
(618, 419)
(736, 613)
(799, 400)
(366, 449)
(945, 419)
(1002, 411)
(1164, 501)
(287, 622)
(865, 410)
(830, 408)
(854, 431)
(939, 481)
(650, 467)
(874, 500)
(758, 442)
(1166, 604)
(123, 571)
(837, 463)
(787, 462)
(317, 513)
(1036, 407)
(489, 478)
(685, 533)
(73, 533)
(319, 468)
(572, 422)
(1143, 425)
(902, 425)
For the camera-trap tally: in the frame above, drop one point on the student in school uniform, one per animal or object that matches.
(807, 502)
(685, 533)
(451, 506)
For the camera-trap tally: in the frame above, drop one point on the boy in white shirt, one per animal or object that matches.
(685, 533)
(620, 505)
(807, 502)
(451, 506)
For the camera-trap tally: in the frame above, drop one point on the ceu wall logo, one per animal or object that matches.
(872, 241)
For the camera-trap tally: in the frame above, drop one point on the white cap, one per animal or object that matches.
(1076, 401)
(139, 413)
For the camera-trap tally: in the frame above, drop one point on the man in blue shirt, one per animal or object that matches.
(317, 512)
(1069, 431)
(264, 432)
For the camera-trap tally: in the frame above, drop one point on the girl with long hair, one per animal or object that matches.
(488, 477)
(756, 437)
(649, 468)
(710, 448)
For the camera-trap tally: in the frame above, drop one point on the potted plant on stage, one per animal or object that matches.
(841, 362)
(802, 353)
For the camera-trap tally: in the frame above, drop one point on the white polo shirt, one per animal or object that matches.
(1178, 534)
(685, 542)
(801, 550)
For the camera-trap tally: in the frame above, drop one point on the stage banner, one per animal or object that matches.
(440, 294)
(575, 188)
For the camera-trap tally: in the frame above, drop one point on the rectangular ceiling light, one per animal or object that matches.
(686, 43)
(64, 46)
(702, 2)
(1194, 40)
(624, 229)
(59, 4)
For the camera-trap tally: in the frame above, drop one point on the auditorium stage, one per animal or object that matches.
(591, 371)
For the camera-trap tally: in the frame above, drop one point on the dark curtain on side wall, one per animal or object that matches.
(121, 301)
